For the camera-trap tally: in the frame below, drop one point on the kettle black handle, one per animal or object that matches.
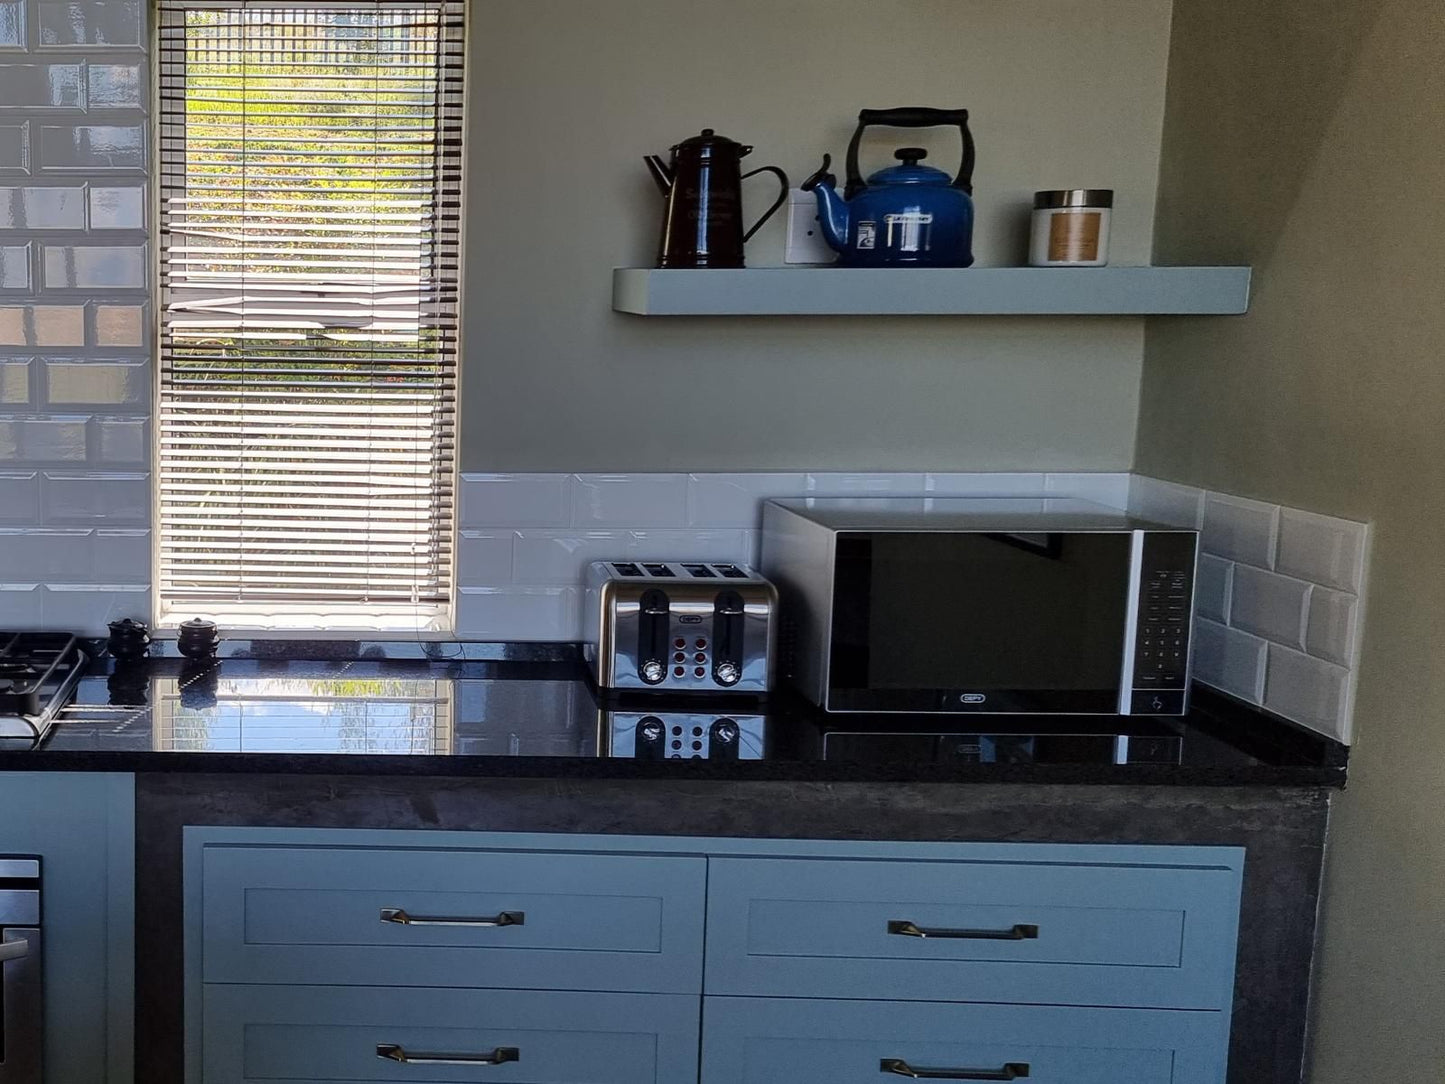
(911, 117)
(782, 198)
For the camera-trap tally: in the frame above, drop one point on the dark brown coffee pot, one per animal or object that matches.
(702, 225)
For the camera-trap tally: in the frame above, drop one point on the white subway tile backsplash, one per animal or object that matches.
(1166, 502)
(12, 24)
(1331, 629)
(15, 383)
(92, 497)
(702, 545)
(1323, 549)
(866, 484)
(21, 606)
(97, 383)
(560, 557)
(1230, 660)
(19, 500)
(996, 484)
(122, 440)
(516, 500)
(1214, 584)
(1269, 605)
(1308, 690)
(53, 437)
(518, 613)
(1240, 529)
(117, 208)
(1107, 489)
(484, 557)
(95, 267)
(87, 608)
(90, 22)
(629, 500)
(735, 500)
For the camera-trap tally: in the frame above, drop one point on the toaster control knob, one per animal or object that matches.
(727, 673)
(653, 671)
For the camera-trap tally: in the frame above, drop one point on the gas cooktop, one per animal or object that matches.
(38, 672)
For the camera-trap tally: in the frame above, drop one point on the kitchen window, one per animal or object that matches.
(310, 186)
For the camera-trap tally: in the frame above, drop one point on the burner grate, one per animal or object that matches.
(37, 672)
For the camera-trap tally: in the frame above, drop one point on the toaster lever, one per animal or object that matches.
(653, 620)
(727, 637)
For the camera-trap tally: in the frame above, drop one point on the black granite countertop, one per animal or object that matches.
(529, 712)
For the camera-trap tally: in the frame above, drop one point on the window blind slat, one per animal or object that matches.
(310, 188)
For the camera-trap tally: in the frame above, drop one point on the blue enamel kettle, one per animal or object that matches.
(909, 215)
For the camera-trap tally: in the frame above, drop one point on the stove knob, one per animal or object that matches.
(727, 673)
(653, 671)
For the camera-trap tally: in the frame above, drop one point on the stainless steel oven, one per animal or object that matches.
(1033, 606)
(22, 982)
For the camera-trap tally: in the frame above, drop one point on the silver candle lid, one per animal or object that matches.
(1073, 197)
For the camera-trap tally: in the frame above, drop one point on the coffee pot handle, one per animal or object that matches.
(911, 117)
(782, 198)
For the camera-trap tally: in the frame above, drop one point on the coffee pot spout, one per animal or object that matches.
(661, 173)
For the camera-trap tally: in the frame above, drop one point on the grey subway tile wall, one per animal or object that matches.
(75, 365)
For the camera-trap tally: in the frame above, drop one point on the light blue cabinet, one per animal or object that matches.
(765, 1041)
(315, 1034)
(83, 828)
(562, 959)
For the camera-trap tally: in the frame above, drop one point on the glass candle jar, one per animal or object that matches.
(1071, 228)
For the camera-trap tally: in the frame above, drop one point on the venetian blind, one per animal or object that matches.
(310, 158)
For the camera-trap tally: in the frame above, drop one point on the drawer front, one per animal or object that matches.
(1118, 935)
(306, 1034)
(430, 917)
(766, 1041)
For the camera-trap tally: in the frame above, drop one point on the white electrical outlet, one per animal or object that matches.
(805, 232)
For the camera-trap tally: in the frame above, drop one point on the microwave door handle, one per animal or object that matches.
(22, 1001)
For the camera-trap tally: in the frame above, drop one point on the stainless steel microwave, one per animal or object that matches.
(981, 605)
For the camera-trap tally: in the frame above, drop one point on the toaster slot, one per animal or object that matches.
(627, 569)
(730, 572)
(653, 621)
(700, 572)
(660, 571)
(728, 614)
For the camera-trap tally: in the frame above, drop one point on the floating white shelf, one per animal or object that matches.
(981, 291)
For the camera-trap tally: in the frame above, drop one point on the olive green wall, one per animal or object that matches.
(566, 98)
(1307, 137)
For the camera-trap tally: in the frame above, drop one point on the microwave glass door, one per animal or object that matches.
(980, 622)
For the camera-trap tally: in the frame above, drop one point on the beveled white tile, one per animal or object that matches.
(19, 500)
(518, 613)
(1323, 549)
(122, 439)
(1269, 605)
(97, 383)
(15, 382)
(93, 497)
(123, 556)
(491, 501)
(53, 437)
(1309, 691)
(561, 557)
(21, 607)
(87, 608)
(992, 484)
(630, 500)
(1166, 502)
(735, 500)
(1213, 586)
(1106, 489)
(48, 555)
(1230, 660)
(484, 558)
(867, 484)
(1240, 529)
(690, 545)
(1331, 631)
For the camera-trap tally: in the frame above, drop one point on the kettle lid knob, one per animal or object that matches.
(910, 156)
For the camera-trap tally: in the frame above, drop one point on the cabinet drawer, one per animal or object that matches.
(435, 917)
(1082, 934)
(306, 1034)
(764, 1041)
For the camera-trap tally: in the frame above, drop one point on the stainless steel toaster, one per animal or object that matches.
(680, 627)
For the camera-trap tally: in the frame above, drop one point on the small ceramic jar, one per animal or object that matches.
(1071, 228)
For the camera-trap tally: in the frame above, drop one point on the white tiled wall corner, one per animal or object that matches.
(74, 351)
(1279, 601)
(525, 539)
(1166, 502)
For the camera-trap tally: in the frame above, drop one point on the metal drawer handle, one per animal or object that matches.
(506, 918)
(1017, 932)
(898, 1067)
(499, 1056)
(14, 950)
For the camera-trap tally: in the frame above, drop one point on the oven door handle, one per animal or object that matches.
(14, 950)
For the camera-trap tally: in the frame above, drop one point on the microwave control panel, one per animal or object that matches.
(1166, 611)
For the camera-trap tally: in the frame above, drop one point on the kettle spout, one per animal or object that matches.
(832, 208)
(661, 173)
